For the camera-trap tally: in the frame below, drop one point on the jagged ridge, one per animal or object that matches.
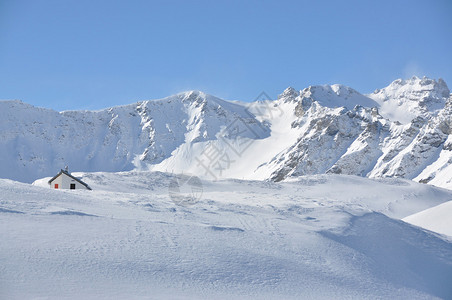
(320, 129)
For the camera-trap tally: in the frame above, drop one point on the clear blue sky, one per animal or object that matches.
(79, 54)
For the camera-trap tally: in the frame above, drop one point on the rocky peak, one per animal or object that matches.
(192, 96)
(336, 95)
(289, 94)
(404, 100)
(415, 89)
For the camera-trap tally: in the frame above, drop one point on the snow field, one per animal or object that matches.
(313, 237)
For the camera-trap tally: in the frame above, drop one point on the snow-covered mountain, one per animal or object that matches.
(35, 141)
(403, 130)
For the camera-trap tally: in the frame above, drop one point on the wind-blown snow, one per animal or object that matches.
(324, 236)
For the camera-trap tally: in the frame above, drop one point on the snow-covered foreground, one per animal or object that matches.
(325, 236)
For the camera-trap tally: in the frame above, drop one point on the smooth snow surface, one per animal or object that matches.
(312, 237)
(437, 219)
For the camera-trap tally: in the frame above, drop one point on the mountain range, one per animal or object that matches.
(403, 130)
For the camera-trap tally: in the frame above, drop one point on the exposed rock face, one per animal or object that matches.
(360, 141)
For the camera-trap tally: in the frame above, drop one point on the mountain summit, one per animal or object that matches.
(402, 130)
(403, 100)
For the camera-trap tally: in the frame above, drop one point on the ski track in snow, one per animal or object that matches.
(316, 237)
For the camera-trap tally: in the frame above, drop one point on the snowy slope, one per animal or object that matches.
(403, 131)
(35, 142)
(321, 237)
(437, 219)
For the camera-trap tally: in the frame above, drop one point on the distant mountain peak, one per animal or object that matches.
(289, 93)
(402, 130)
(336, 95)
(404, 100)
(192, 96)
(400, 87)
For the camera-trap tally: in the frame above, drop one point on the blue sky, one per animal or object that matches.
(65, 54)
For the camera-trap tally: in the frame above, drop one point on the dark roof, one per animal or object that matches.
(67, 173)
